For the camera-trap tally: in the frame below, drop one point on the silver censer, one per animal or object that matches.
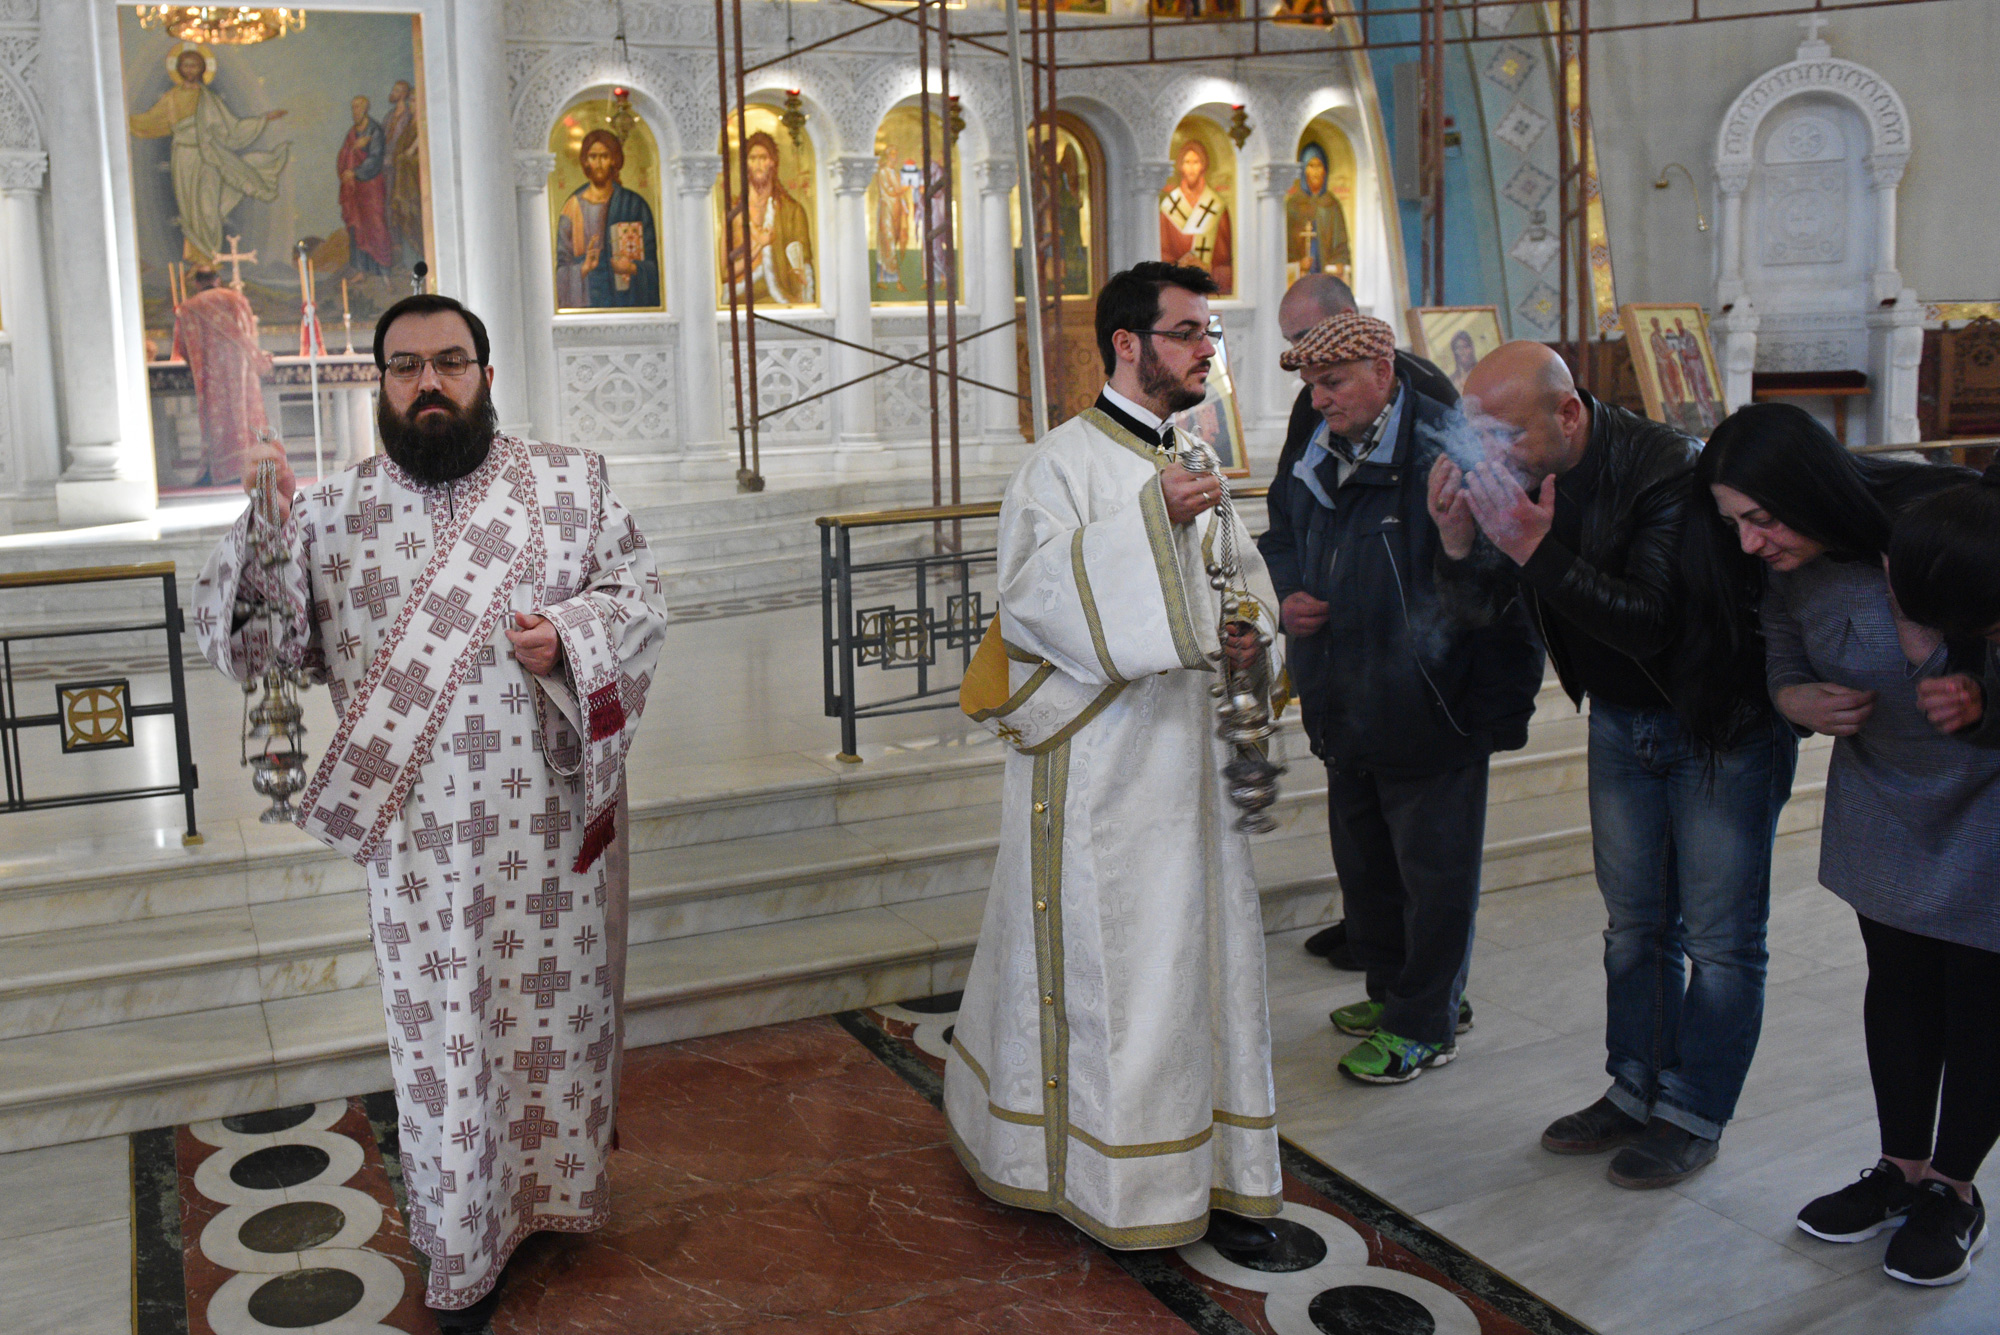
(276, 721)
(1242, 695)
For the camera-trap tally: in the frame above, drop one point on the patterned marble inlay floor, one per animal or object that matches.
(795, 1177)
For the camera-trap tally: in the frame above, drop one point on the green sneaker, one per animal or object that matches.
(1363, 1017)
(1385, 1059)
(1359, 1019)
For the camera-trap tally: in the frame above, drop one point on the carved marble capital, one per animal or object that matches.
(1273, 178)
(531, 171)
(995, 176)
(850, 174)
(1732, 178)
(23, 171)
(696, 173)
(1885, 171)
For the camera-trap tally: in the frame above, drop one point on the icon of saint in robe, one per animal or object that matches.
(212, 163)
(1315, 226)
(1194, 220)
(364, 192)
(777, 257)
(607, 250)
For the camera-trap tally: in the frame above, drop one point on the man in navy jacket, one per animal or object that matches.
(1407, 683)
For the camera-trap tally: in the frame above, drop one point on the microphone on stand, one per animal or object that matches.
(418, 272)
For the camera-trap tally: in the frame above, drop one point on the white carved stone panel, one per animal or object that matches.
(619, 400)
(903, 396)
(786, 373)
(1805, 214)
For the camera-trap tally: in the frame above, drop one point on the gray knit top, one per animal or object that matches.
(1912, 829)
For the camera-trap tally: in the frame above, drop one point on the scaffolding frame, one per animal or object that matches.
(1033, 82)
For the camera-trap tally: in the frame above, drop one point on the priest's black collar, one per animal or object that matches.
(1150, 435)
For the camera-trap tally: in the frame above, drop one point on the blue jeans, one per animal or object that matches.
(1683, 859)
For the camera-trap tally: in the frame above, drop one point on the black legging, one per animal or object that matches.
(1932, 1015)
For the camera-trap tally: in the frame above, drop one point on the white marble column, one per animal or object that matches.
(1143, 186)
(1730, 183)
(107, 477)
(999, 414)
(1735, 336)
(1895, 350)
(486, 177)
(860, 447)
(25, 299)
(538, 291)
(1884, 175)
(703, 368)
(1275, 388)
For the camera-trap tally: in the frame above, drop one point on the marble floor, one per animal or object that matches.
(1455, 1150)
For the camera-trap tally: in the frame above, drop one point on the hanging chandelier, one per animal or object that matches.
(231, 25)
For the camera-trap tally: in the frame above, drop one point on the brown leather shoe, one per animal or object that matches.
(1601, 1126)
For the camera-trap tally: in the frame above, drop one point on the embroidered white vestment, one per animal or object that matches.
(482, 801)
(1111, 1060)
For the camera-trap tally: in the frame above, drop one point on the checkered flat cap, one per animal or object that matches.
(1347, 337)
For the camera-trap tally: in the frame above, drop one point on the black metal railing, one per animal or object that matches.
(919, 639)
(943, 621)
(97, 714)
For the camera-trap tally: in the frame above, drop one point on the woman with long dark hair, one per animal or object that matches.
(1798, 530)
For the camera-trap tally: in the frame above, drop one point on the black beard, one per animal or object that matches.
(431, 450)
(1156, 384)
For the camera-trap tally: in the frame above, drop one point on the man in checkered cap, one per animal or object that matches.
(1407, 679)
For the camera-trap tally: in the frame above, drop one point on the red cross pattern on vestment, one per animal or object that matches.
(373, 514)
(340, 822)
(450, 611)
(551, 824)
(407, 690)
(483, 992)
(482, 826)
(528, 1132)
(552, 902)
(374, 592)
(546, 982)
(540, 1059)
(475, 744)
(479, 910)
(371, 762)
(390, 934)
(412, 1015)
(430, 1091)
(435, 838)
(566, 515)
(488, 543)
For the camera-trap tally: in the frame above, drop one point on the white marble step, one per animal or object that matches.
(146, 1072)
(275, 949)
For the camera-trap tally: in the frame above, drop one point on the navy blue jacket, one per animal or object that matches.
(1423, 665)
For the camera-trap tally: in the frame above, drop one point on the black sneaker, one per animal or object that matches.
(1880, 1199)
(1662, 1155)
(1942, 1235)
(1597, 1128)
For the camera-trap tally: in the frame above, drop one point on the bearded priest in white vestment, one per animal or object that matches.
(486, 618)
(1111, 1060)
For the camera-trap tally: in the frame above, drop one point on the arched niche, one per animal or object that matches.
(1807, 163)
(778, 263)
(1198, 200)
(605, 208)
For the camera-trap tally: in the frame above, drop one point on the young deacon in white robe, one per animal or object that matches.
(1111, 1060)
(487, 634)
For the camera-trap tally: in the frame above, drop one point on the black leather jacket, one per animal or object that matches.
(1621, 588)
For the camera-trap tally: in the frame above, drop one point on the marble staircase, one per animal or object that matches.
(143, 984)
(712, 544)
